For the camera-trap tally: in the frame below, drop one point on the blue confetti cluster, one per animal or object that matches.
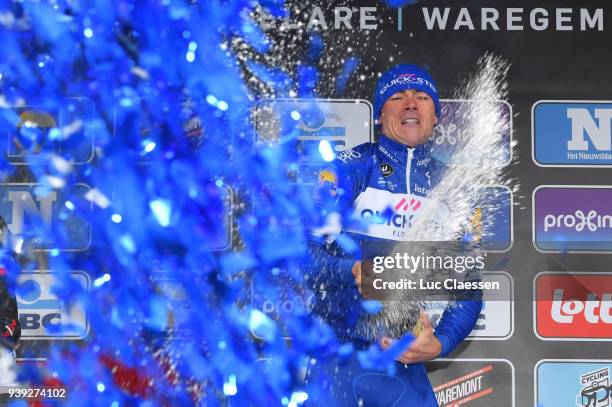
(135, 116)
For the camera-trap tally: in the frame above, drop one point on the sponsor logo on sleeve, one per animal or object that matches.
(386, 169)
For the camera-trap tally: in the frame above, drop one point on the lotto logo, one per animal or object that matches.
(592, 310)
(573, 306)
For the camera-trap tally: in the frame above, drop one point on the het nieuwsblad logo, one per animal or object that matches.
(29, 212)
(572, 306)
(572, 133)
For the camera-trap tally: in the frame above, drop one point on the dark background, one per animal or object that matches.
(546, 64)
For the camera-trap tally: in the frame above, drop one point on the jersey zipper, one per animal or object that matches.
(408, 167)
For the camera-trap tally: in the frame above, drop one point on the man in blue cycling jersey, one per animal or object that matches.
(392, 178)
(10, 332)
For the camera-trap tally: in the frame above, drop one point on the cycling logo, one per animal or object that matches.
(596, 389)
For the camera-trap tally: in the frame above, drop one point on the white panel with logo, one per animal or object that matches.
(42, 314)
(496, 320)
(344, 123)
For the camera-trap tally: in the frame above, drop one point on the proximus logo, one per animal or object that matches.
(579, 221)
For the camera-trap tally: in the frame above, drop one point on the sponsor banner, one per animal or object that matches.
(472, 382)
(218, 218)
(572, 218)
(496, 320)
(138, 125)
(220, 233)
(172, 307)
(44, 315)
(451, 132)
(496, 214)
(30, 210)
(304, 123)
(493, 20)
(282, 299)
(65, 128)
(193, 128)
(573, 306)
(488, 20)
(567, 382)
(568, 133)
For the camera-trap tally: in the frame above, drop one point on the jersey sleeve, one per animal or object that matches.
(457, 322)
(331, 253)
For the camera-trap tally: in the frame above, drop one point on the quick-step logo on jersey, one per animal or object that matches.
(387, 215)
(572, 218)
(576, 306)
(567, 382)
(42, 315)
(572, 133)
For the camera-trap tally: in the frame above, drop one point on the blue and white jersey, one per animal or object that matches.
(381, 190)
(388, 185)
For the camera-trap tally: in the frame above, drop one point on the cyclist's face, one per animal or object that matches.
(409, 117)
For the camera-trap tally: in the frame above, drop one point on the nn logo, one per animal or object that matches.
(30, 213)
(572, 133)
(23, 203)
(42, 315)
(594, 127)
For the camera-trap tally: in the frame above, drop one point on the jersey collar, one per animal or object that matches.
(399, 151)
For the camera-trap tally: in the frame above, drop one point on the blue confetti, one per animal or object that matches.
(133, 121)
